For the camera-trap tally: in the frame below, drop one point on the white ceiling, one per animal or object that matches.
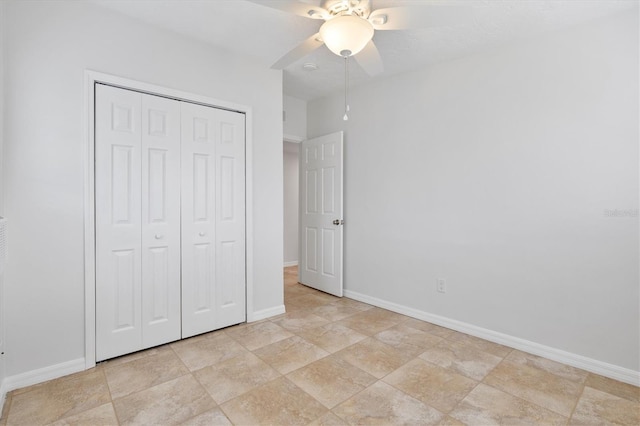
(266, 34)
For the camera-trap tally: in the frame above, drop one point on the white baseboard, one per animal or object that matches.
(266, 313)
(54, 371)
(42, 375)
(292, 263)
(3, 397)
(594, 366)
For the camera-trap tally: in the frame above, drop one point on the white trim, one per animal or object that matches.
(292, 138)
(3, 397)
(89, 225)
(42, 375)
(292, 263)
(92, 77)
(594, 366)
(268, 313)
(248, 157)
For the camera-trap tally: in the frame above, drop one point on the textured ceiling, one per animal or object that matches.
(266, 34)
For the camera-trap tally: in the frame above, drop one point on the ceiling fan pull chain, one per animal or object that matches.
(346, 87)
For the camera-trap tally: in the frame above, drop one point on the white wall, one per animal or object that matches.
(2, 26)
(495, 172)
(291, 196)
(295, 119)
(48, 47)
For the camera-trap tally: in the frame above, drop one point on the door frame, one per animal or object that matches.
(90, 79)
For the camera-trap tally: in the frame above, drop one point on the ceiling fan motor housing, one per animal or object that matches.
(360, 8)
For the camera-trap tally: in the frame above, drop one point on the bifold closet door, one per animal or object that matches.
(137, 193)
(213, 219)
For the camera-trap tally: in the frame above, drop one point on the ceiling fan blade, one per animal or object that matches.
(369, 59)
(306, 9)
(298, 52)
(421, 16)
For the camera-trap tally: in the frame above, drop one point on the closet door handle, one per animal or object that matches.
(202, 234)
(159, 236)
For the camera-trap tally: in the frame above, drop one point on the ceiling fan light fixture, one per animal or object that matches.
(346, 35)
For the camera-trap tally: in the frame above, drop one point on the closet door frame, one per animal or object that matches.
(91, 79)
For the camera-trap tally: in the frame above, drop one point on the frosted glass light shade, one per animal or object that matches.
(346, 35)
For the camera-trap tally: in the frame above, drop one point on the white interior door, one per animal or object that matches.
(213, 219)
(160, 220)
(321, 230)
(137, 221)
(118, 222)
(170, 220)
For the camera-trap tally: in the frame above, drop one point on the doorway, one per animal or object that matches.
(291, 194)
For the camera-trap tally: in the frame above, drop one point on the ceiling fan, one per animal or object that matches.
(349, 26)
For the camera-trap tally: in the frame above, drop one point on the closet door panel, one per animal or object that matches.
(198, 219)
(118, 222)
(230, 218)
(170, 220)
(160, 220)
(213, 219)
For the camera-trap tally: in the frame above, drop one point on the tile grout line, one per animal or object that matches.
(113, 406)
(193, 376)
(575, 405)
(507, 391)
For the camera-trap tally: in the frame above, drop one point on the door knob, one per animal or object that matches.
(202, 234)
(338, 222)
(158, 237)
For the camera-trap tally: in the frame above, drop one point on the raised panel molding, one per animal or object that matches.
(121, 118)
(311, 154)
(157, 185)
(312, 197)
(227, 266)
(121, 185)
(202, 277)
(328, 182)
(328, 257)
(311, 249)
(200, 187)
(226, 133)
(226, 188)
(328, 150)
(157, 123)
(200, 130)
(124, 277)
(159, 271)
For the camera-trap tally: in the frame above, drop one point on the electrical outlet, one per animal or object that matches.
(441, 285)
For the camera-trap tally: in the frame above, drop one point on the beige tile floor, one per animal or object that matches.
(328, 361)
